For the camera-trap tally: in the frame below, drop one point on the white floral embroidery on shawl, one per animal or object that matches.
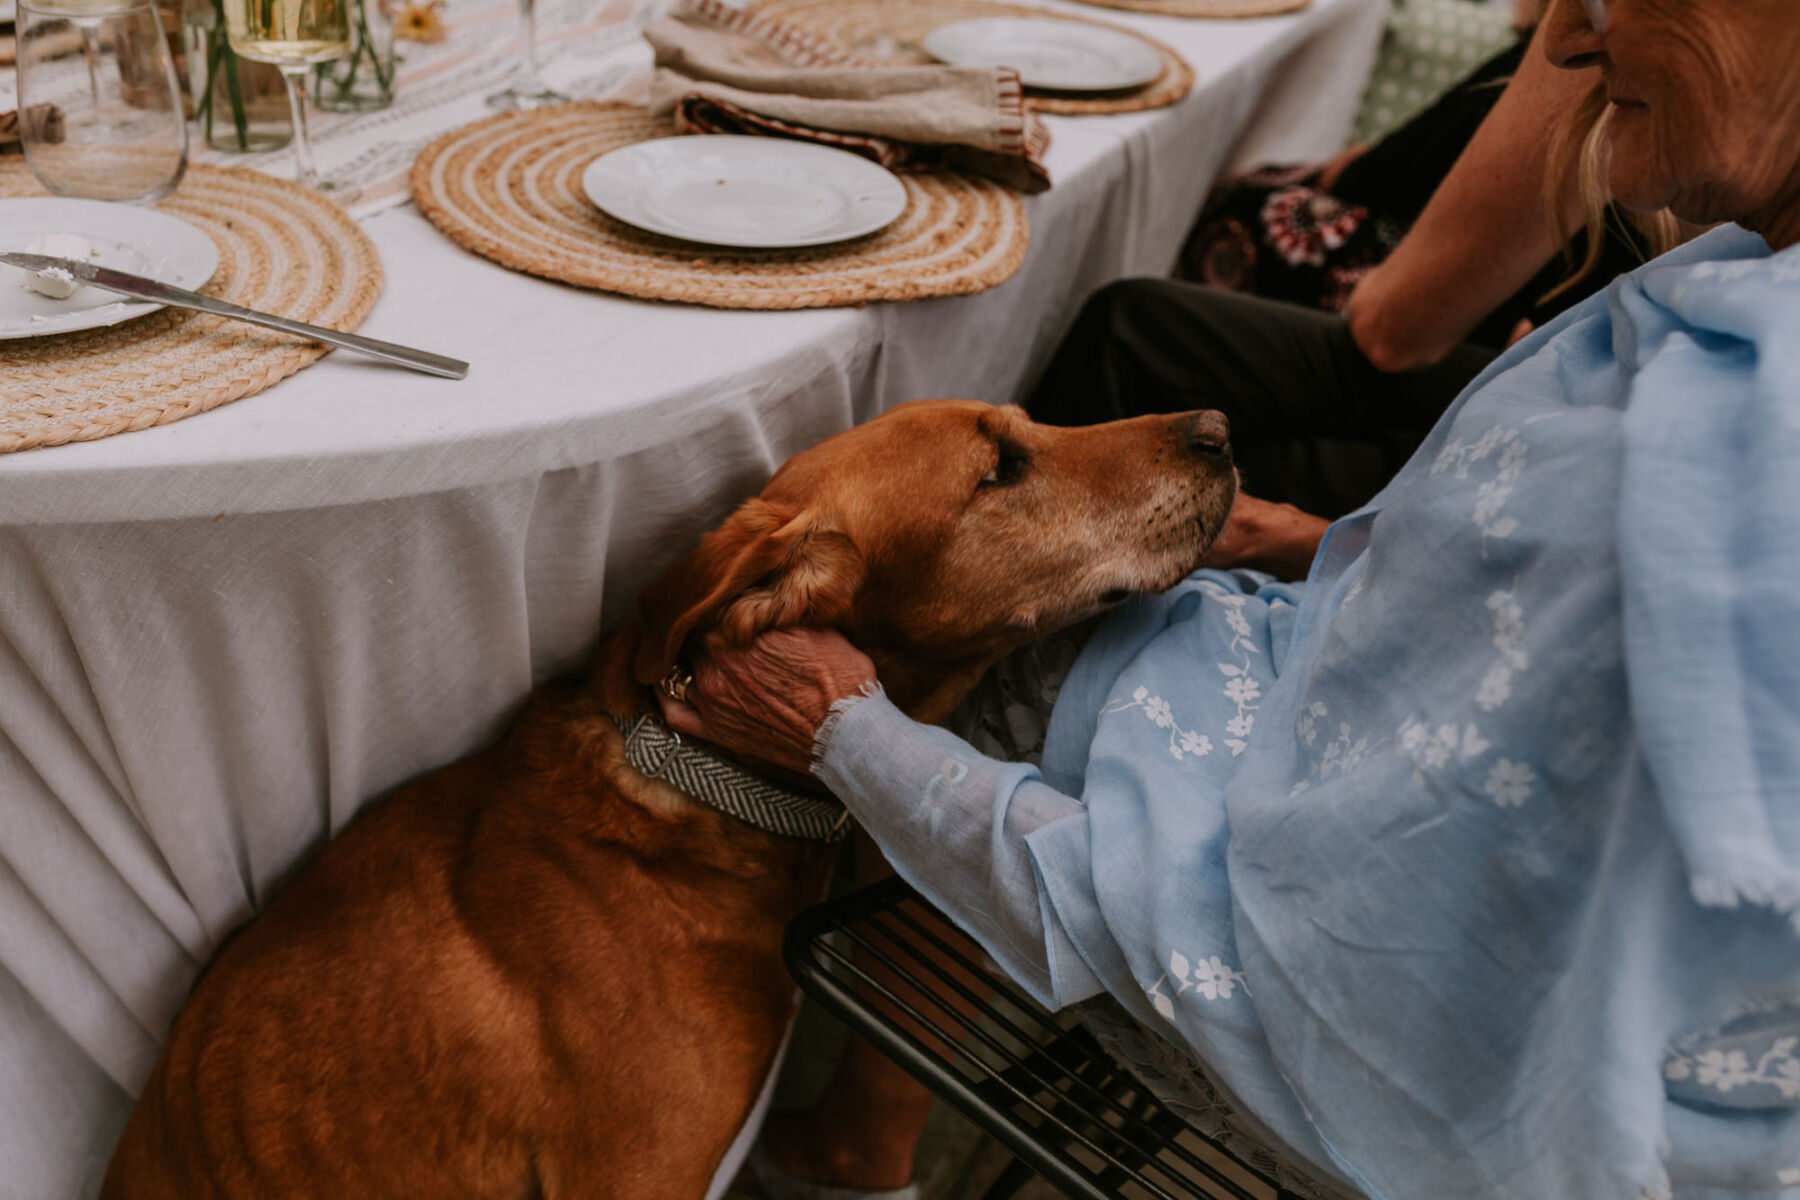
(1207, 977)
(1492, 495)
(1182, 742)
(1241, 687)
(1724, 1070)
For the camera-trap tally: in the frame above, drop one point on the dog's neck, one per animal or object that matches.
(625, 699)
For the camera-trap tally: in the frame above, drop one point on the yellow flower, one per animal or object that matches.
(420, 21)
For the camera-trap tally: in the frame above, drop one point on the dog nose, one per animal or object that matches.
(1210, 434)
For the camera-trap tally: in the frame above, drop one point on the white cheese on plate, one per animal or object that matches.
(57, 283)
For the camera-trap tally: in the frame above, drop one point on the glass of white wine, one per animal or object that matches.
(294, 35)
(528, 89)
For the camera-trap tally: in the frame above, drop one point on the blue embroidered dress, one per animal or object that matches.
(1470, 868)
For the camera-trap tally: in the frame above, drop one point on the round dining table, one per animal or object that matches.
(222, 636)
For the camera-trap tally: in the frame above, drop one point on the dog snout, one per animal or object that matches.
(1209, 435)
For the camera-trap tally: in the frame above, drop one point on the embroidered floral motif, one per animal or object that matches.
(1491, 496)
(1724, 1070)
(1495, 689)
(1307, 725)
(1182, 742)
(1509, 783)
(1208, 977)
(1432, 748)
(1342, 754)
(1241, 687)
(1509, 640)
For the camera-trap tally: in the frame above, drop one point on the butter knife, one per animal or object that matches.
(140, 288)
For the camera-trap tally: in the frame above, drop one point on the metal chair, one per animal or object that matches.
(896, 972)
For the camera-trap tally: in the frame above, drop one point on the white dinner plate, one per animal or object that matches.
(754, 192)
(125, 237)
(1064, 56)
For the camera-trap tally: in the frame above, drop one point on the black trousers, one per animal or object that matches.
(1312, 423)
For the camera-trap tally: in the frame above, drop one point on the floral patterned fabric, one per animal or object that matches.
(1472, 866)
(1275, 233)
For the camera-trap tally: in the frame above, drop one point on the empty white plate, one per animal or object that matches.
(744, 191)
(1064, 56)
(124, 236)
(752, 192)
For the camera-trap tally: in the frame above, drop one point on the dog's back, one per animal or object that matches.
(490, 978)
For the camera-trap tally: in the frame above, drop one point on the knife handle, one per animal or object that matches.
(406, 356)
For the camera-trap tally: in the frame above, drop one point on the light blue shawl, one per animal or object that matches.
(1472, 867)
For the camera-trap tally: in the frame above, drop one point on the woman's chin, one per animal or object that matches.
(1634, 184)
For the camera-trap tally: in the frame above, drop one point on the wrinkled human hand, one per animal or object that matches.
(764, 703)
(1277, 538)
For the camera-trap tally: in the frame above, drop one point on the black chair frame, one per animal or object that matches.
(1041, 1087)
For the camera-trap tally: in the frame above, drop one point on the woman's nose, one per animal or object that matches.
(1570, 39)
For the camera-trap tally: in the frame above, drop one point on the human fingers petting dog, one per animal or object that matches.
(553, 968)
(772, 695)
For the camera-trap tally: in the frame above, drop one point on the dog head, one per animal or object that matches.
(944, 533)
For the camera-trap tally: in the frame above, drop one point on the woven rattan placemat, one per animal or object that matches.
(282, 249)
(890, 31)
(509, 188)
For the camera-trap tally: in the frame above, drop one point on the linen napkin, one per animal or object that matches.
(719, 70)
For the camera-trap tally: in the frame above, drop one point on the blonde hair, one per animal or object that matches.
(1578, 160)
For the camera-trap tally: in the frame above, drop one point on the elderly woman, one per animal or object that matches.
(1472, 866)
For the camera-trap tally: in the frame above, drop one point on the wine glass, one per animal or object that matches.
(528, 89)
(294, 35)
(100, 111)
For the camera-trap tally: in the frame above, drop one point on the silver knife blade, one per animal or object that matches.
(140, 288)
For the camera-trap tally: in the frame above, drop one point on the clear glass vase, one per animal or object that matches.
(364, 80)
(241, 105)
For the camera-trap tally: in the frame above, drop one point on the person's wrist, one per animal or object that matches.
(824, 736)
(1301, 541)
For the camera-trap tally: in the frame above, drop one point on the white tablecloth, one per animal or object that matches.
(220, 637)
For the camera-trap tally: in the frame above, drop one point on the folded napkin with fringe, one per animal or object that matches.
(719, 70)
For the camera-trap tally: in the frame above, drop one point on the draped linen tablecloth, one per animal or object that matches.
(219, 638)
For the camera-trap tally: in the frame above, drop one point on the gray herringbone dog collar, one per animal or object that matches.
(658, 751)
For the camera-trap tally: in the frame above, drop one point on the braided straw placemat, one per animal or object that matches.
(282, 249)
(891, 30)
(509, 188)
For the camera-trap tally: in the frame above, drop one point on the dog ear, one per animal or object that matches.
(764, 568)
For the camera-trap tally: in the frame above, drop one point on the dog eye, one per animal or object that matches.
(1008, 469)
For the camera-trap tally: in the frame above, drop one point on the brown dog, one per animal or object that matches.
(537, 972)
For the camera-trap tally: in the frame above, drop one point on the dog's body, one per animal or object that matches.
(538, 972)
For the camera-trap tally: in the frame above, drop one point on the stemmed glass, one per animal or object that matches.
(100, 112)
(528, 89)
(294, 35)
